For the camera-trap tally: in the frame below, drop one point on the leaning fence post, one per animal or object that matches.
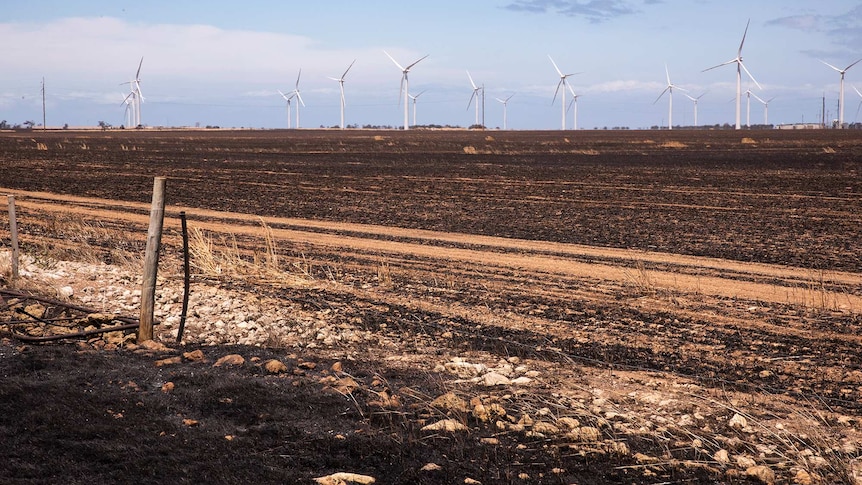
(13, 231)
(151, 260)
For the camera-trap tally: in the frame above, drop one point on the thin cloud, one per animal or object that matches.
(595, 11)
(843, 30)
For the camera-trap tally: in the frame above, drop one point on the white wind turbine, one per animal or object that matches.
(138, 97)
(340, 82)
(476, 91)
(414, 98)
(298, 97)
(565, 84)
(669, 91)
(287, 98)
(841, 91)
(505, 105)
(129, 113)
(765, 107)
(405, 87)
(739, 68)
(695, 100)
(574, 104)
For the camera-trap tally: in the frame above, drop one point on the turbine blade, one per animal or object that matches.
(471, 100)
(297, 78)
(857, 91)
(138, 74)
(300, 98)
(660, 95)
(667, 73)
(571, 90)
(393, 60)
(722, 64)
(739, 52)
(556, 91)
(830, 65)
(555, 66)
(749, 75)
(417, 62)
(851, 65)
(510, 96)
(471, 80)
(348, 68)
(401, 91)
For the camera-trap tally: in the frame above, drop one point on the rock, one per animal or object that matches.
(66, 292)
(153, 346)
(344, 478)
(431, 467)
(449, 425)
(738, 421)
(490, 441)
(449, 402)
(191, 422)
(471, 481)
(568, 423)
(168, 361)
(802, 477)
(35, 310)
(492, 379)
(168, 387)
(230, 359)
(545, 428)
(722, 457)
(195, 356)
(336, 367)
(745, 462)
(275, 366)
(761, 473)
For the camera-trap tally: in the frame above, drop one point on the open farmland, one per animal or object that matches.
(681, 305)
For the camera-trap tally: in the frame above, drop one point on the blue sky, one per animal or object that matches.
(221, 62)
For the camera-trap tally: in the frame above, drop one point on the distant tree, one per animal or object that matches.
(104, 125)
(65, 126)
(29, 124)
(4, 125)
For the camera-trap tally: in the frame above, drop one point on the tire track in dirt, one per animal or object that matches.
(779, 284)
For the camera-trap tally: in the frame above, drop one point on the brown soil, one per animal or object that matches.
(658, 283)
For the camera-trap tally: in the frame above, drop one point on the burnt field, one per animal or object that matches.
(665, 307)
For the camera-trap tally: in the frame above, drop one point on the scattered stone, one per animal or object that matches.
(230, 359)
(275, 366)
(722, 457)
(345, 385)
(802, 477)
(568, 423)
(168, 361)
(307, 365)
(66, 292)
(191, 422)
(738, 421)
(153, 346)
(343, 478)
(545, 428)
(449, 402)
(337, 367)
(167, 387)
(745, 462)
(449, 425)
(470, 481)
(431, 467)
(492, 379)
(195, 356)
(761, 473)
(490, 441)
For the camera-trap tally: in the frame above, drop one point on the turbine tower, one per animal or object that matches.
(669, 91)
(129, 113)
(287, 98)
(841, 91)
(505, 105)
(695, 106)
(565, 84)
(340, 82)
(405, 87)
(860, 104)
(739, 68)
(414, 98)
(476, 91)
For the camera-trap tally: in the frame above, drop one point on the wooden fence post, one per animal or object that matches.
(151, 260)
(13, 231)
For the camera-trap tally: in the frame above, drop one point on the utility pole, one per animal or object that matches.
(483, 106)
(44, 124)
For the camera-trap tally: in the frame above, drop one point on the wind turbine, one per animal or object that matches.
(574, 103)
(765, 107)
(298, 96)
(476, 90)
(405, 87)
(414, 98)
(739, 68)
(860, 103)
(340, 82)
(841, 91)
(505, 105)
(695, 105)
(564, 83)
(669, 91)
(138, 97)
(129, 113)
(287, 98)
